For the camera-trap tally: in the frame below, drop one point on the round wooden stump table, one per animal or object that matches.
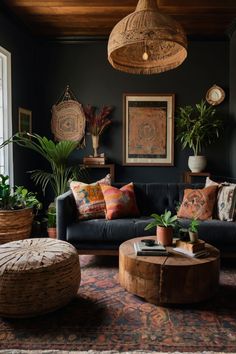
(172, 279)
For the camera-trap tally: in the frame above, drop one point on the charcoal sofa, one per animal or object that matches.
(101, 236)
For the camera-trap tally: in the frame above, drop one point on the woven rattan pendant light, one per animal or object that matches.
(146, 41)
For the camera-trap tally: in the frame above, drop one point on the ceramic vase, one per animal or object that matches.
(197, 163)
(193, 236)
(164, 235)
(95, 142)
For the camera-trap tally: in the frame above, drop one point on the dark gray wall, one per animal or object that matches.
(40, 73)
(232, 136)
(17, 40)
(85, 68)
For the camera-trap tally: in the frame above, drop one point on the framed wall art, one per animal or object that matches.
(148, 129)
(25, 120)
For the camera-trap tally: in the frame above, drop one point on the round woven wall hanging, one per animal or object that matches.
(68, 119)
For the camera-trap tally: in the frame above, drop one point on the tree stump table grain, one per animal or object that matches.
(172, 279)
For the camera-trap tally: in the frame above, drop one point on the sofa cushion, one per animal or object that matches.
(198, 203)
(102, 230)
(119, 202)
(226, 199)
(89, 198)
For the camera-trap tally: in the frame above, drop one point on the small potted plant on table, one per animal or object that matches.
(164, 223)
(193, 230)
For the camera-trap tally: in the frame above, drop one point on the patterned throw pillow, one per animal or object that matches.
(198, 203)
(89, 198)
(120, 202)
(226, 200)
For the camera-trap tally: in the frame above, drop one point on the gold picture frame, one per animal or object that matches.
(25, 120)
(148, 129)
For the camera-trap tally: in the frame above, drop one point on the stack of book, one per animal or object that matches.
(155, 250)
(196, 249)
(90, 160)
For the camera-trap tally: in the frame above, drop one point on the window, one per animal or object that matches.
(6, 157)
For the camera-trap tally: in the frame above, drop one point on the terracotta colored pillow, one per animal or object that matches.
(89, 198)
(198, 203)
(120, 202)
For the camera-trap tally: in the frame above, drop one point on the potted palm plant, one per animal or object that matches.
(57, 154)
(164, 223)
(16, 211)
(197, 127)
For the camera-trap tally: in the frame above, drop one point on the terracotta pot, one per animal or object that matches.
(165, 235)
(52, 232)
(193, 236)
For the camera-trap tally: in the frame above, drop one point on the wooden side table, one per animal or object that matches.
(188, 176)
(109, 166)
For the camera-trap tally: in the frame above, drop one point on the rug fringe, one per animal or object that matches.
(22, 351)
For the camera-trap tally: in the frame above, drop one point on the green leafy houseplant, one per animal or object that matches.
(197, 126)
(52, 221)
(164, 223)
(16, 211)
(163, 220)
(19, 198)
(193, 226)
(193, 230)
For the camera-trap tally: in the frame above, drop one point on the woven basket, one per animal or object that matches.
(15, 224)
(37, 276)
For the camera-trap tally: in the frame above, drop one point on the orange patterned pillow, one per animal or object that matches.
(120, 202)
(89, 198)
(198, 203)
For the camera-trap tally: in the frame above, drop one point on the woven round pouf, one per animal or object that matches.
(37, 276)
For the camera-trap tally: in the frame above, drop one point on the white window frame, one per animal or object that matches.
(7, 113)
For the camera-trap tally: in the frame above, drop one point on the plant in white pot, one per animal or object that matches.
(164, 223)
(197, 127)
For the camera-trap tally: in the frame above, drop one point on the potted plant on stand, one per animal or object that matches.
(16, 211)
(197, 127)
(164, 223)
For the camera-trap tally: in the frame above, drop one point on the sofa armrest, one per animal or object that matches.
(66, 213)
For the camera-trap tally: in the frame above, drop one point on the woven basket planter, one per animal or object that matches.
(37, 276)
(15, 224)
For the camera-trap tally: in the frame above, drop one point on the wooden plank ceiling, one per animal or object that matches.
(58, 18)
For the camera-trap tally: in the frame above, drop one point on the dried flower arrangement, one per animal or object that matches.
(96, 123)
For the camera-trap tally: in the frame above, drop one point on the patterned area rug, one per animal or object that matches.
(104, 317)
